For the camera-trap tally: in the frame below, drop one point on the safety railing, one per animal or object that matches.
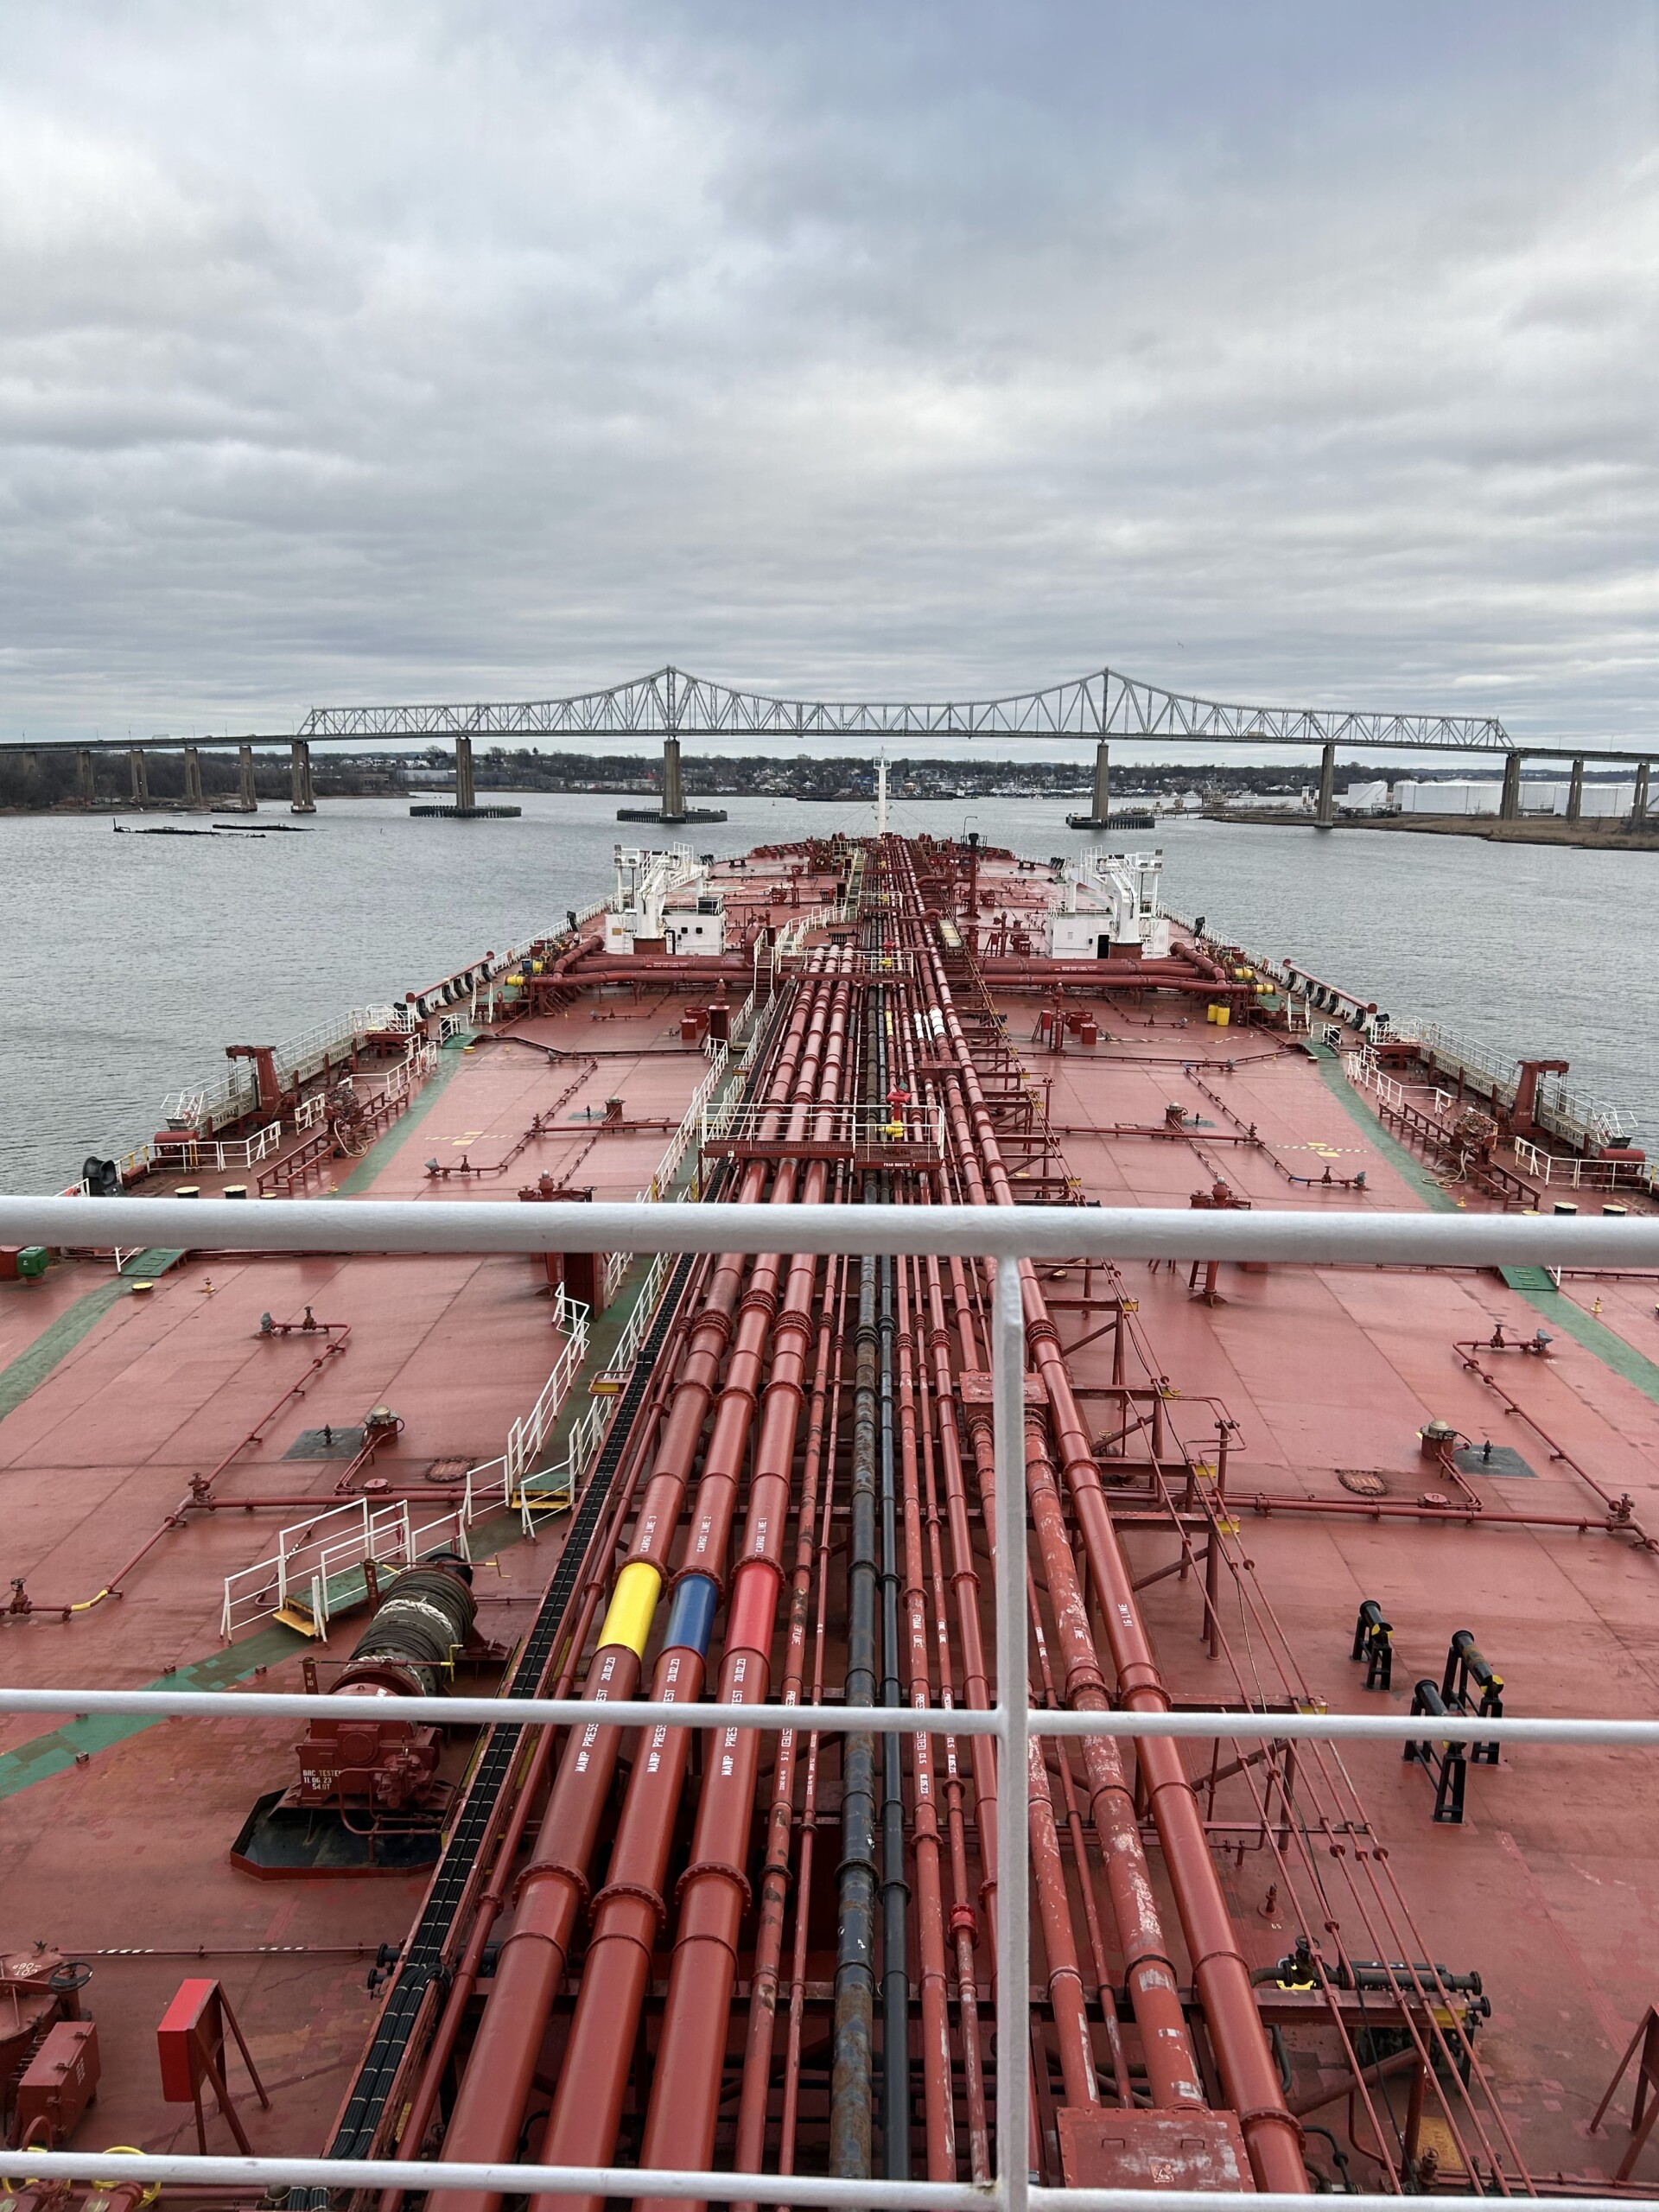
(1577, 1117)
(235, 1094)
(553, 1489)
(1363, 1071)
(502, 1478)
(317, 1568)
(1578, 1174)
(705, 1111)
(793, 936)
(184, 1151)
(846, 1127)
(1008, 1237)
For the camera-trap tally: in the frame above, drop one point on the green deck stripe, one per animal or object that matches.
(52, 1753)
(1559, 1312)
(375, 1157)
(1387, 1143)
(55, 1343)
(1596, 1337)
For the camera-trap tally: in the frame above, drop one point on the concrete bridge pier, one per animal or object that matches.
(673, 782)
(140, 768)
(303, 799)
(249, 796)
(1101, 802)
(1575, 791)
(86, 788)
(1509, 805)
(193, 793)
(1327, 810)
(1639, 798)
(466, 796)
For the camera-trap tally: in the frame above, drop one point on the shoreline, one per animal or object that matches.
(1609, 834)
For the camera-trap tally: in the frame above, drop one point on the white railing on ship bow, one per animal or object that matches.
(1006, 1236)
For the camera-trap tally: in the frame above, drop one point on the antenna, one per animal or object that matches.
(881, 794)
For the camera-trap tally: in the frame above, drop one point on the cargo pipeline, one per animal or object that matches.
(809, 1479)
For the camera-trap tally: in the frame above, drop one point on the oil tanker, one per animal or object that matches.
(1253, 1488)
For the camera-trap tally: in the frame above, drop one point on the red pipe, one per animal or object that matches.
(1054, 1913)
(1249, 2073)
(582, 2126)
(821, 1554)
(516, 1815)
(715, 1891)
(1172, 2065)
(774, 1884)
(938, 2094)
(495, 2088)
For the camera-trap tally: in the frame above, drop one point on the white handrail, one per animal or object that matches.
(179, 2169)
(1339, 1236)
(180, 1150)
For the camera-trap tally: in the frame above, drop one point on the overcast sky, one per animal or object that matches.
(1303, 353)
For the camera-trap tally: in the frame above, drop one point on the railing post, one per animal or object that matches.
(1013, 1697)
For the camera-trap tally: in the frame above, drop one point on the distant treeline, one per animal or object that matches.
(47, 778)
(853, 776)
(36, 781)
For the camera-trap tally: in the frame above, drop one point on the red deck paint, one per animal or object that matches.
(1303, 1375)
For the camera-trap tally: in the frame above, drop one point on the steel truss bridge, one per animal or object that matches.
(670, 702)
(673, 703)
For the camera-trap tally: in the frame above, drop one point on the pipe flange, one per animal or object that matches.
(646, 1896)
(715, 1866)
(1278, 2112)
(763, 1302)
(718, 1320)
(672, 1583)
(571, 1874)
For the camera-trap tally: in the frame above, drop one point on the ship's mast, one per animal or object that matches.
(882, 795)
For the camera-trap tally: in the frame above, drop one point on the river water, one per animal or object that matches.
(127, 962)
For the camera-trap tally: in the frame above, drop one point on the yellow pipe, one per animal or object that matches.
(632, 1604)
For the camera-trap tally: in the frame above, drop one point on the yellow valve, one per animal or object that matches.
(632, 1604)
(129, 2151)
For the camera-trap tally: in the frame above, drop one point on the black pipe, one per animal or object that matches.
(851, 2124)
(895, 1892)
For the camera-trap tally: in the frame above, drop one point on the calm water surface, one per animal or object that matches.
(128, 962)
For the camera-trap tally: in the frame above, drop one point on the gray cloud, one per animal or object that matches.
(1283, 352)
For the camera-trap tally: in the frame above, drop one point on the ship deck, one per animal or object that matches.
(1309, 1386)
